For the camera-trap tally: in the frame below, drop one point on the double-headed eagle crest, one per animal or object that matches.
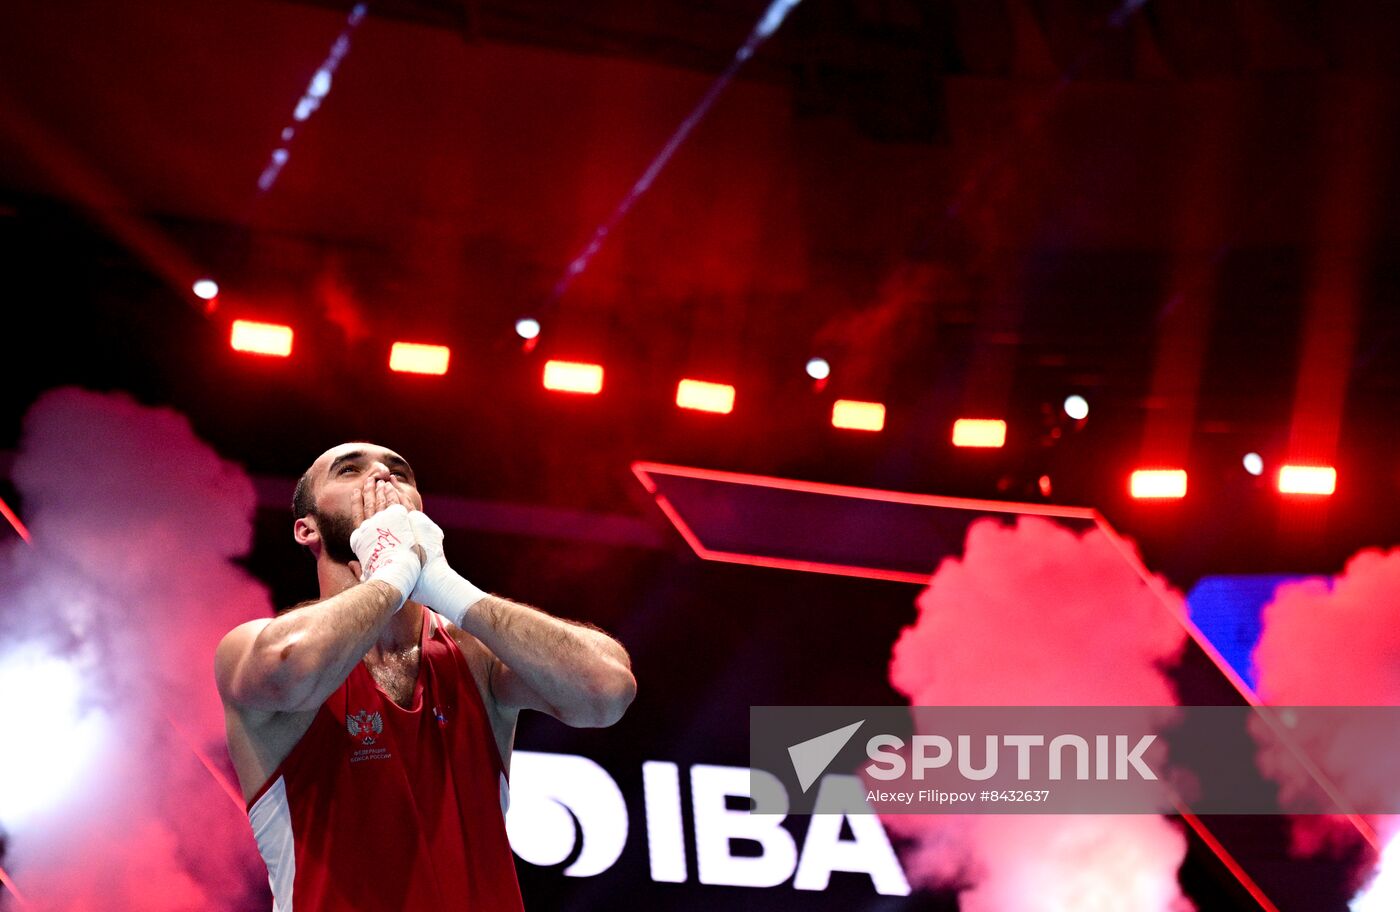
(364, 725)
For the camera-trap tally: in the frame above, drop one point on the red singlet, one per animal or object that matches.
(383, 808)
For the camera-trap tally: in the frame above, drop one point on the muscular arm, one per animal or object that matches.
(295, 661)
(577, 674)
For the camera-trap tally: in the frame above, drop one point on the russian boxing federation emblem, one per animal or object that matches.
(365, 725)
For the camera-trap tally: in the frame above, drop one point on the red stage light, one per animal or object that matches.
(979, 432)
(573, 377)
(1158, 483)
(261, 338)
(1297, 479)
(705, 397)
(854, 415)
(416, 358)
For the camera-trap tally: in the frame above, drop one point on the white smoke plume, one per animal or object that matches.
(1338, 644)
(1035, 614)
(109, 622)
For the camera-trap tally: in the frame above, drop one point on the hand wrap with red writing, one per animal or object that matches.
(384, 545)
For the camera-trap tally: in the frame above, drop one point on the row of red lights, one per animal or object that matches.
(704, 396)
(587, 379)
(1170, 484)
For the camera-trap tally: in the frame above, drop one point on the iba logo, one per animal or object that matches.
(564, 807)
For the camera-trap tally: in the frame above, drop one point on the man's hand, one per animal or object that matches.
(439, 586)
(384, 542)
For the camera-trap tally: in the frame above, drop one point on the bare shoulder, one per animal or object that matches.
(258, 739)
(232, 649)
(243, 632)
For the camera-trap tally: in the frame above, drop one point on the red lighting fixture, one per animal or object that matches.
(1158, 484)
(417, 358)
(1299, 479)
(705, 397)
(573, 377)
(261, 338)
(979, 432)
(854, 415)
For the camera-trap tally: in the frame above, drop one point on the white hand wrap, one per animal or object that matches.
(439, 586)
(384, 545)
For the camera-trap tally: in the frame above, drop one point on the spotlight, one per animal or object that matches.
(1254, 463)
(818, 369)
(527, 327)
(44, 703)
(573, 377)
(705, 397)
(414, 358)
(854, 415)
(979, 432)
(1297, 479)
(1158, 483)
(206, 289)
(1077, 407)
(261, 338)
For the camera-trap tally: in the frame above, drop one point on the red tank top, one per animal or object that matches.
(381, 807)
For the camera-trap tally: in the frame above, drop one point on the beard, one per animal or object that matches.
(335, 536)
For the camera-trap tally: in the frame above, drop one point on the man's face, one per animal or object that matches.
(338, 474)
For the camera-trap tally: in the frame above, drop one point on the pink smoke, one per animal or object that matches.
(130, 584)
(1335, 644)
(1035, 614)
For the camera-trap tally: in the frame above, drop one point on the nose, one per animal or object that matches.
(380, 470)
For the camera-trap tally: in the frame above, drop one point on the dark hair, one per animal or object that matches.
(302, 501)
